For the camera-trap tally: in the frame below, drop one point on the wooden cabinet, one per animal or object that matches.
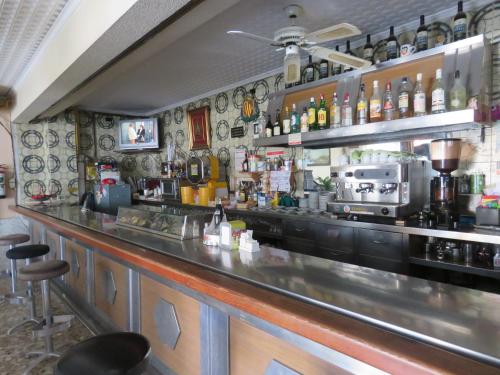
(111, 290)
(76, 279)
(171, 322)
(255, 352)
(52, 239)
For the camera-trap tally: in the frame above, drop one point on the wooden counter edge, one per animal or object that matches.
(379, 348)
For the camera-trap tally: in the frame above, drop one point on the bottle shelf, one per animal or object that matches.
(384, 131)
(474, 268)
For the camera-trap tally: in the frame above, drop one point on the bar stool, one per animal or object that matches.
(117, 353)
(26, 252)
(44, 271)
(11, 240)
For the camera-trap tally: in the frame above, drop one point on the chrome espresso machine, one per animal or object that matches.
(395, 190)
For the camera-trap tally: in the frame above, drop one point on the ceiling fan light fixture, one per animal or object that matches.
(292, 64)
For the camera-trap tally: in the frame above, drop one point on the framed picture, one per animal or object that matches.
(317, 157)
(199, 128)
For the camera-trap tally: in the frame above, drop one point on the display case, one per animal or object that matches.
(174, 222)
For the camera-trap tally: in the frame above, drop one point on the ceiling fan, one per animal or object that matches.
(293, 38)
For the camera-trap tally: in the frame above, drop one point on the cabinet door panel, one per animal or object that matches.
(380, 244)
(76, 277)
(336, 238)
(171, 322)
(54, 243)
(111, 290)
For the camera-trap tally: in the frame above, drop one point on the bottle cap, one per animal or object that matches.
(388, 85)
(419, 76)
(312, 99)
(375, 83)
(438, 73)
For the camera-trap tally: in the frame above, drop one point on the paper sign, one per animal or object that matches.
(275, 153)
(295, 139)
(280, 181)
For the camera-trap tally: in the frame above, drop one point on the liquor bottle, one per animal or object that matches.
(286, 121)
(458, 94)
(323, 69)
(460, 24)
(309, 71)
(269, 127)
(392, 45)
(361, 106)
(277, 124)
(336, 68)
(312, 114)
(421, 40)
(294, 120)
(368, 49)
(335, 112)
(404, 94)
(388, 102)
(245, 163)
(419, 98)
(304, 121)
(322, 113)
(346, 111)
(375, 104)
(438, 94)
(348, 52)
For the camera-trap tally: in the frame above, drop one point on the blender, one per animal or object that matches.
(445, 156)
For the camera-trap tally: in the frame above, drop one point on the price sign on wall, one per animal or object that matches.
(280, 181)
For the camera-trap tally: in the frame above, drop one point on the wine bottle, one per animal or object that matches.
(348, 52)
(336, 68)
(419, 105)
(460, 24)
(346, 111)
(294, 120)
(309, 71)
(269, 127)
(404, 93)
(438, 94)
(335, 112)
(368, 49)
(458, 94)
(422, 35)
(323, 69)
(361, 106)
(388, 102)
(277, 124)
(312, 114)
(322, 113)
(392, 45)
(304, 121)
(375, 103)
(286, 121)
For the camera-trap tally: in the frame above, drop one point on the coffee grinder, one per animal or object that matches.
(445, 156)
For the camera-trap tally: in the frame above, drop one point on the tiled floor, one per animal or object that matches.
(13, 348)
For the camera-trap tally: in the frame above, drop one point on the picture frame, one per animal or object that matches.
(317, 157)
(199, 131)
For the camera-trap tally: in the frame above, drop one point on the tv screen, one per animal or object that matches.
(137, 134)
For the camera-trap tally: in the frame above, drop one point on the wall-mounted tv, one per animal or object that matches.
(138, 134)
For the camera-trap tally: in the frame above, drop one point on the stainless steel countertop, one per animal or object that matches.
(467, 234)
(457, 319)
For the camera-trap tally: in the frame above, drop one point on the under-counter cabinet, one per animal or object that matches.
(171, 322)
(76, 279)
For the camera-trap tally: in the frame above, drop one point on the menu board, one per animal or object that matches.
(280, 181)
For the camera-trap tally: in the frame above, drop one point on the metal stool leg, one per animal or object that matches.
(31, 319)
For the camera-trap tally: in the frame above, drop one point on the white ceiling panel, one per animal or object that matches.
(23, 26)
(208, 59)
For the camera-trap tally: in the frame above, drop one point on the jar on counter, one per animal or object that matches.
(476, 183)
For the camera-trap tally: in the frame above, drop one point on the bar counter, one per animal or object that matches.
(354, 318)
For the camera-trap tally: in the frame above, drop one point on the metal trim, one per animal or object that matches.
(167, 323)
(110, 290)
(275, 367)
(90, 277)
(134, 300)
(214, 332)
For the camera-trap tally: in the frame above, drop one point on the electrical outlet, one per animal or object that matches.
(12, 183)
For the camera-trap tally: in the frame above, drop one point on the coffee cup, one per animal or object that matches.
(407, 50)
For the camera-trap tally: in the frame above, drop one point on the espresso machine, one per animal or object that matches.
(393, 190)
(445, 156)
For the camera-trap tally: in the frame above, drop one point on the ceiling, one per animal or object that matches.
(23, 26)
(207, 59)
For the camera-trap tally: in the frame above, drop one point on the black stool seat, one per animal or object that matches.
(45, 270)
(27, 251)
(14, 239)
(122, 353)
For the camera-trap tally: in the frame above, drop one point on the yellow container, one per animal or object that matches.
(203, 193)
(187, 196)
(211, 190)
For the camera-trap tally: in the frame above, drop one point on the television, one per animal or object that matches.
(138, 134)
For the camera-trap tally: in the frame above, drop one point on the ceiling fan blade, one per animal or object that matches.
(338, 57)
(255, 37)
(340, 31)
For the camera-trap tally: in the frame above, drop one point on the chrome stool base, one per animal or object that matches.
(59, 323)
(22, 323)
(42, 356)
